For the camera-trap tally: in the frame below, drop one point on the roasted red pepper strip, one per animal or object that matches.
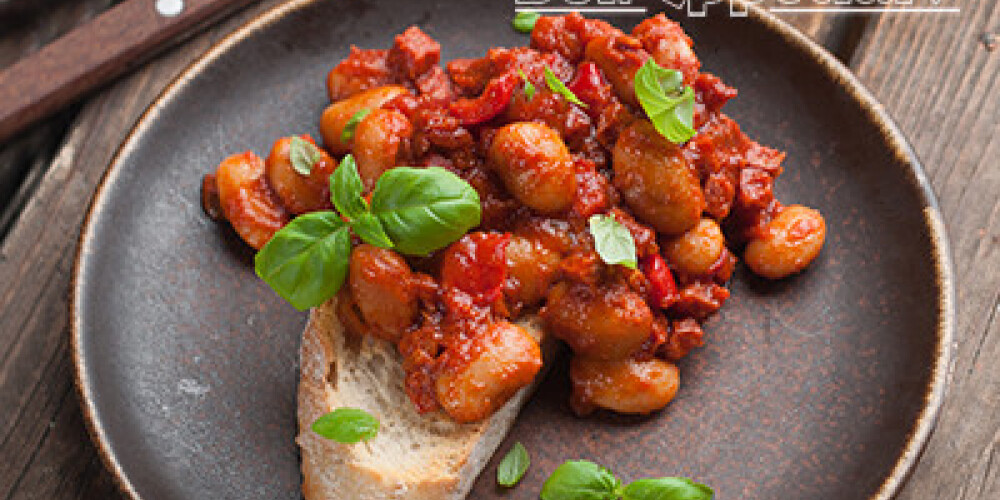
(477, 265)
(494, 99)
(662, 288)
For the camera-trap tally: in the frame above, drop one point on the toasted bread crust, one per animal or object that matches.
(414, 456)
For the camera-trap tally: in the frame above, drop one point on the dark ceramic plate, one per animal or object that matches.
(823, 386)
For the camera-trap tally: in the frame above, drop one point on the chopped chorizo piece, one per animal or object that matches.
(592, 189)
(437, 128)
(413, 53)
(685, 335)
(435, 86)
(699, 300)
(554, 110)
(568, 35)
(531, 62)
(362, 70)
(470, 75)
(735, 168)
(710, 94)
(644, 237)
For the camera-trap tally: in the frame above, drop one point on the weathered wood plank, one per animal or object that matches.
(43, 444)
(24, 159)
(941, 82)
(44, 451)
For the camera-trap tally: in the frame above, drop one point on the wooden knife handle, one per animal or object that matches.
(93, 54)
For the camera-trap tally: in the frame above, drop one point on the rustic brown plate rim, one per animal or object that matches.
(876, 113)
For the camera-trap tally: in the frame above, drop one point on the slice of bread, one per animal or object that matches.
(414, 456)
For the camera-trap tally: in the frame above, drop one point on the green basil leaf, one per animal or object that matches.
(667, 102)
(347, 425)
(524, 22)
(558, 87)
(613, 241)
(667, 488)
(424, 209)
(303, 155)
(529, 88)
(370, 229)
(352, 124)
(513, 466)
(306, 261)
(346, 189)
(581, 480)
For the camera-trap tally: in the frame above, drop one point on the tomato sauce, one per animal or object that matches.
(542, 167)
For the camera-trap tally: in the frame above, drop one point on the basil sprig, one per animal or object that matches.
(413, 210)
(613, 241)
(667, 488)
(529, 88)
(524, 22)
(352, 124)
(347, 425)
(668, 103)
(303, 155)
(560, 88)
(513, 466)
(583, 480)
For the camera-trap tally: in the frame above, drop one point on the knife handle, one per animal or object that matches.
(95, 53)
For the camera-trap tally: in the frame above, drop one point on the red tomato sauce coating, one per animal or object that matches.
(542, 167)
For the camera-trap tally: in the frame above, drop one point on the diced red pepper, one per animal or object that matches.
(590, 86)
(492, 102)
(662, 288)
(477, 265)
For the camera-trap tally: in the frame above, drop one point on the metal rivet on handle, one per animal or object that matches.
(169, 8)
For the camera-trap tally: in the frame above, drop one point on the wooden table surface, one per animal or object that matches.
(937, 74)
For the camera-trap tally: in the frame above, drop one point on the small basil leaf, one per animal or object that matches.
(529, 88)
(424, 209)
(580, 480)
(613, 241)
(513, 466)
(346, 189)
(370, 229)
(303, 155)
(558, 87)
(667, 488)
(346, 425)
(667, 102)
(524, 22)
(352, 124)
(306, 261)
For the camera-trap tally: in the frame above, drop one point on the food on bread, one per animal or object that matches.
(415, 456)
(587, 188)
